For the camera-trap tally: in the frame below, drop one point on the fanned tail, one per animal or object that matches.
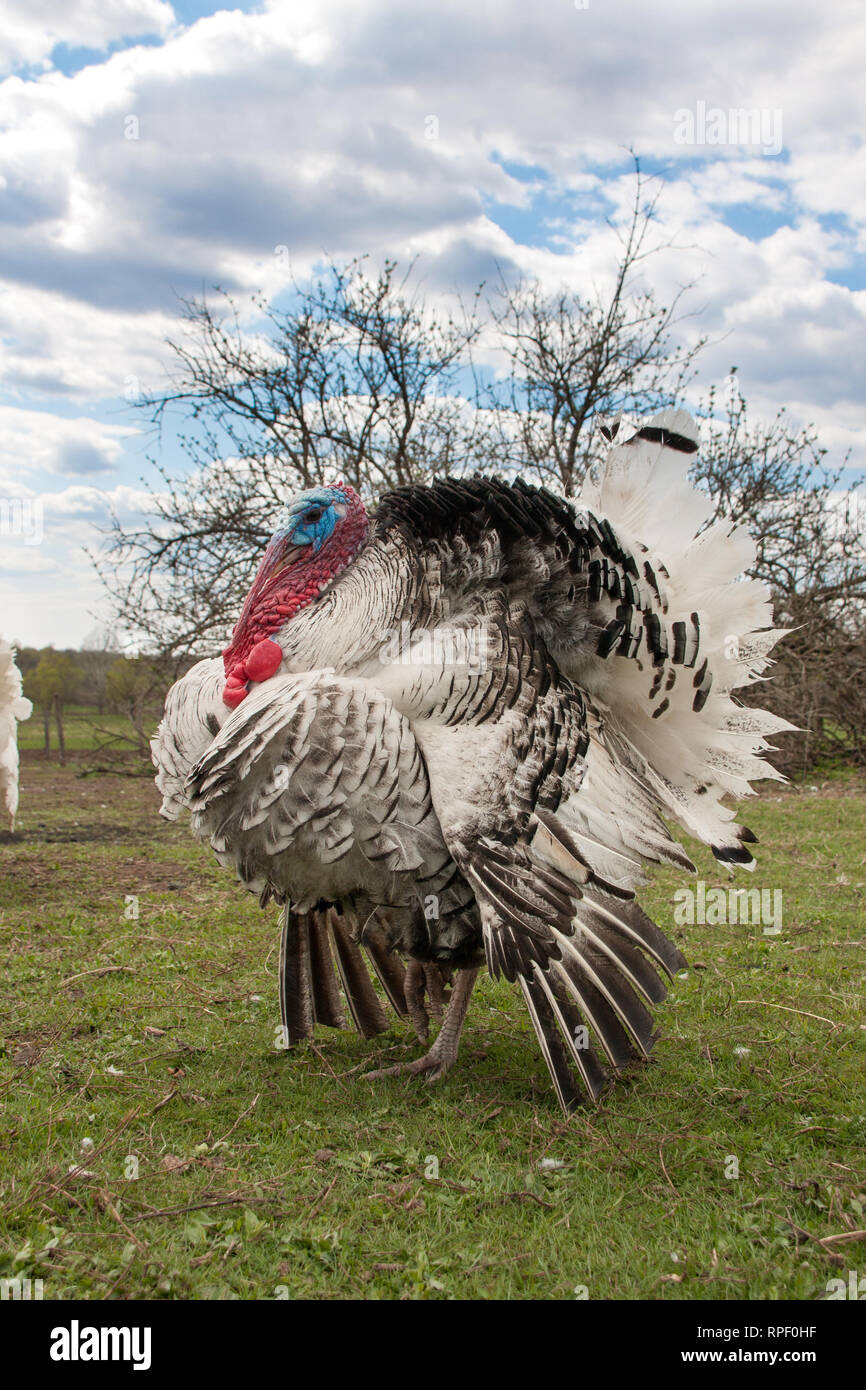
(675, 630)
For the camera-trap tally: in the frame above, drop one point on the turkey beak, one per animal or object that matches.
(289, 556)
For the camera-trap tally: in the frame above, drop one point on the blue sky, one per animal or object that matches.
(470, 136)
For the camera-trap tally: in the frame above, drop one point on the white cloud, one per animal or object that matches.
(20, 559)
(49, 590)
(34, 439)
(29, 32)
(95, 504)
(51, 345)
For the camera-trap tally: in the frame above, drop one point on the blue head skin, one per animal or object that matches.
(311, 518)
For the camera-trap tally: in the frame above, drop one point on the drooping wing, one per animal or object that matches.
(550, 823)
(315, 781)
(194, 712)
(316, 793)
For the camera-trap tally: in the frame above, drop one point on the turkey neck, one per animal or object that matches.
(346, 625)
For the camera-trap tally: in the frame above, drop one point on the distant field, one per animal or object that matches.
(140, 1049)
(84, 729)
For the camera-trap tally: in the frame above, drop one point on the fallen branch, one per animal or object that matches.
(842, 1236)
(323, 1197)
(520, 1196)
(239, 1200)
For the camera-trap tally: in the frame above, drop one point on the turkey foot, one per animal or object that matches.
(443, 1053)
(423, 977)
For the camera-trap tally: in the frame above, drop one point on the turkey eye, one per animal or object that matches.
(313, 516)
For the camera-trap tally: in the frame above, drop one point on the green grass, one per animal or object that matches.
(260, 1173)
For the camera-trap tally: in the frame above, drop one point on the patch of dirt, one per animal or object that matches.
(155, 877)
(128, 875)
(97, 832)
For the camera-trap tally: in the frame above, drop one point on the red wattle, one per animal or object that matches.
(264, 660)
(233, 695)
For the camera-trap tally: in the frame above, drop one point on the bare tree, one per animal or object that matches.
(808, 527)
(574, 359)
(51, 685)
(135, 687)
(98, 650)
(361, 379)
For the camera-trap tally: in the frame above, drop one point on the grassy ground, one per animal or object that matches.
(155, 1144)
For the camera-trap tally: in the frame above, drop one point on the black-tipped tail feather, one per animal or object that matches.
(730, 854)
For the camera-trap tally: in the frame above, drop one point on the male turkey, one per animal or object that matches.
(449, 733)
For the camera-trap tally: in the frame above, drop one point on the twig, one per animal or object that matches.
(102, 970)
(199, 1206)
(323, 1197)
(112, 1210)
(487, 1264)
(53, 1187)
(804, 1013)
(799, 1231)
(165, 1100)
(250, 1107)
(664, 1169)
(97, 1152)
(322, 1058)
(504, 1197)
(843, 1236)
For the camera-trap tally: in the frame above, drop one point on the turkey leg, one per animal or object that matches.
(443, 1053)
(425, 978)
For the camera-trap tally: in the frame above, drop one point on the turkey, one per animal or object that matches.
(450, 735)
(13, 708)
